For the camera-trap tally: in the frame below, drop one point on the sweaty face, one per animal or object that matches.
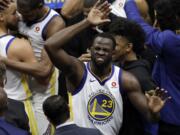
(101, 51)
(11, 17)
(120, 50)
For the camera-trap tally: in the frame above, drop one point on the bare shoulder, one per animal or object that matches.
(56, 24)
(18, 47)
(19, 43)
(129, 82)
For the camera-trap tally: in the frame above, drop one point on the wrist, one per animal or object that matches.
(87, 21)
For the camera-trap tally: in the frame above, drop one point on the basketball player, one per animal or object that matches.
(96, 86)
(38, 23)
(19, 50)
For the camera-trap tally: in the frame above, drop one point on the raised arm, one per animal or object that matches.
(154, 37)
(148, 107)
(72, 67)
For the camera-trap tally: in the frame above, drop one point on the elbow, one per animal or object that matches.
(46, 72)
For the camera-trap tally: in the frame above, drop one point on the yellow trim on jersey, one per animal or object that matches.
(70, 106)
(52, 130)
(53, 82)
(31, 116)
(25, 86)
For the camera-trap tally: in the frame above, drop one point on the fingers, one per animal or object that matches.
(106, 20)
(151, 92)
(162, 93)
(97, 4)
(85, 57)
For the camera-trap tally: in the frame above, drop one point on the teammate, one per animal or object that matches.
(20, 50)
(38, 23)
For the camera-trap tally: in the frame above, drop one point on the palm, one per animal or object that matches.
(156, 99)
(95, 17)
(155, 103)
(99, 13)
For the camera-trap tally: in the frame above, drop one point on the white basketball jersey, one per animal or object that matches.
(118, 8)
(16, 86)
(97, 104)
(35, 34)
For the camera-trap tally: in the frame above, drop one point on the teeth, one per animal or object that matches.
(100, 59)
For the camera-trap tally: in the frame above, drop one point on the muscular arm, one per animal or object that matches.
(137, 98)
(21, 58)
(72, 8)
(72, 67)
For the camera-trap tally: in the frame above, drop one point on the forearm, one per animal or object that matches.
(142, 106)
(38, 70)
(58, 40)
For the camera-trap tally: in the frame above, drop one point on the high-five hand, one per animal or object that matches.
(99, 13)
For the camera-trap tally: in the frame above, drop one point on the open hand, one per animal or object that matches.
(99, 13)
(157, 99)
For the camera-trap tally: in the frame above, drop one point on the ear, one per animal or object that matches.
(1, 17)
(129, 47)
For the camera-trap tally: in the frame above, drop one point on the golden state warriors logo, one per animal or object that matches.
(101, 107)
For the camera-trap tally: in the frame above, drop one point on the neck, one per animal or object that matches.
(68, 120)
(129, 57)
(102, 72)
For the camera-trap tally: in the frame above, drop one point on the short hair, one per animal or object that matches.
(30, 4)
(106, 35)
(131, 31)
(56, 109)
(167, 11)
(3, 100)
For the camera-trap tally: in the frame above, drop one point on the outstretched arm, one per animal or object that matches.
(150, 106)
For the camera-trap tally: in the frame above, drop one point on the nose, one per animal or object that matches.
(100, 52)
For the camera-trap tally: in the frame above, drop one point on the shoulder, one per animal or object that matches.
(54, 25)
(90, 131)
(129, 82)
(17, 45)
(10, 129)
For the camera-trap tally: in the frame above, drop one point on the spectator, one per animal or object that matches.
(128, 56)
(6, 128)
(165, 44)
